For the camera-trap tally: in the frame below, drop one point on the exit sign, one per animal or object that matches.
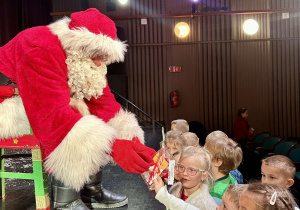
(175, 68)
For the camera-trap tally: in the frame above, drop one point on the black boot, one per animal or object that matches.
(95, 196)
(65, 198)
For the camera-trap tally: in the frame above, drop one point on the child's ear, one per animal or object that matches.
(289, 183)
(204, 175)
(217, 162)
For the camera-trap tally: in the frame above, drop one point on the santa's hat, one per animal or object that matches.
(90, 32)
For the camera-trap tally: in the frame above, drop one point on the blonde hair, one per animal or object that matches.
(226, 150)
(263, 194)
(234, 192)
(181, 125)
(175, 137)
(176, 155)
(215, 134)
(283, 163)
(191, 139)
(204, 159)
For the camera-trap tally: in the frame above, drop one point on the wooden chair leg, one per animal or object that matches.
(40, 181)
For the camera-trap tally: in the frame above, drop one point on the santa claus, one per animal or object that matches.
(60, 71)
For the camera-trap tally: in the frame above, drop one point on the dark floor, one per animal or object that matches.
(20, 193)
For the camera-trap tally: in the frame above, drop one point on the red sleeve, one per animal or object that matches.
(105, 107)
(241, 129)
(43, 87)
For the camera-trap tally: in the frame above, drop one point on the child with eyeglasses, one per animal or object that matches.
(195, 178)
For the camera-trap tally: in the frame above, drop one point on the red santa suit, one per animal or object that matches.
(77, 134)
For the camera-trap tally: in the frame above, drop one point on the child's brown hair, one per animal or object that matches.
(269, 196)
(226, 150)
(283, 163)
(234, 192)
(175, 137)
(181, 125)
(191, 139)
(215, 134)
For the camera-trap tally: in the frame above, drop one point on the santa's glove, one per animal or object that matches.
(132, 156)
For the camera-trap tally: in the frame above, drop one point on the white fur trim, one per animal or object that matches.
(127, 126)
(92, 45)
(13, 118)
(81, 153)
(80, 105)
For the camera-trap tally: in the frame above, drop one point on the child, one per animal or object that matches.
(230, 199)
(170, 201)
(174, 142)
(215, 134)
(226, 155)
(262, 196)
(279, 170)
(165, 173)
(191, 139)
(236, 173)
(195, 178)
(180, 125)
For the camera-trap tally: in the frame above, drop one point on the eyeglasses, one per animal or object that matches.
(190, 171)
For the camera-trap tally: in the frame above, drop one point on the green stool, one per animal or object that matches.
(39, 176)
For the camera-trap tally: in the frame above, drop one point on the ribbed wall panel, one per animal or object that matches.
(223, 69)
(285, 95)
(215, 92)
(145, 66)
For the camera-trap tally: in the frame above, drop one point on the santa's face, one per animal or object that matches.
(86, 76)
(99, 60)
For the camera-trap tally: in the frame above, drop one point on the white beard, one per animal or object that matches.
(85, 79)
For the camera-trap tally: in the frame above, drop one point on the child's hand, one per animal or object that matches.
(157, 184)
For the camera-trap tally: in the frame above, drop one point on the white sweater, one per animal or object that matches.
(172, 202)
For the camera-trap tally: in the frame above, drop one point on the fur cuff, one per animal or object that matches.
(91, 44)
(127, 126)
(82, 152)
(13, 119)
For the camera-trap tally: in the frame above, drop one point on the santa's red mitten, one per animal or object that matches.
(132, 156)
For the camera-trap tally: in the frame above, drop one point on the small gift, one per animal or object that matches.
(154, 171)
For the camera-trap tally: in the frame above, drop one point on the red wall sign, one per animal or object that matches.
(175, 68)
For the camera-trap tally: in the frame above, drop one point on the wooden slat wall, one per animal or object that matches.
(216, 76)
(223, 69)
(145, 63)
(285, 95)
(251, 70)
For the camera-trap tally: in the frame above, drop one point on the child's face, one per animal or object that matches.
(188, 181)
(247, 202)
(273, 175)
(173, 127)
(227, 204)
(171, 148)
(245, 114)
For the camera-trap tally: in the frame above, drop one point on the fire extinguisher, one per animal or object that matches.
(174, 99)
